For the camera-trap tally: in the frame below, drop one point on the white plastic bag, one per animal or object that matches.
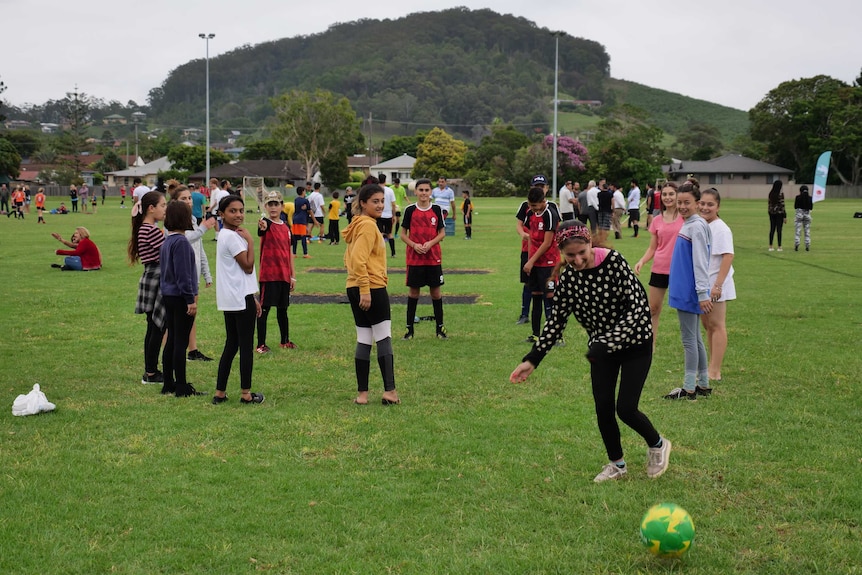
(32, 403)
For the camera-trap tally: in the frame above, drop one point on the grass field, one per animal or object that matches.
(470, 474)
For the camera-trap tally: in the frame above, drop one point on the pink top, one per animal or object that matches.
(666, 235)
(599, 255)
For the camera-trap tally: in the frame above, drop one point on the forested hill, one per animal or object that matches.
(459, 67)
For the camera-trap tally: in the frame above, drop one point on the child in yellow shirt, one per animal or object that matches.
(334, 206)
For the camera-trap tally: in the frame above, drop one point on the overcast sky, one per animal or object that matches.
(731, 52)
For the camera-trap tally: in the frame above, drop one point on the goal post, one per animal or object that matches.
(253, 190)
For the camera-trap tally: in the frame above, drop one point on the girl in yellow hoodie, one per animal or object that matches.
(365, 259)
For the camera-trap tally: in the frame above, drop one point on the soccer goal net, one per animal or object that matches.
(253, 191)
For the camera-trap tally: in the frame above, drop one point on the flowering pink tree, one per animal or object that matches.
(572, 155)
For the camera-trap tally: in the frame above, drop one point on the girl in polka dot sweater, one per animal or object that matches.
(597, 286)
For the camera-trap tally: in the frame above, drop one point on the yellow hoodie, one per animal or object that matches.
(365, 256)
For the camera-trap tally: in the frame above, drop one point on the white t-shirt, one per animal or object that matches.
(722, 243)
(593, 197)
(566, 206)
(388, 200)
(635, 198)
(140, 192)
(315, 200)
(232, 284)
(215, 197)
(443, 198)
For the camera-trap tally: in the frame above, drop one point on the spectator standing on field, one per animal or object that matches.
(634, 201)
(467, 211)
(277, 278)
(84, 195)
(301, 215)
(443, 196)
(73, 197)
(777, 213)
(619, 206)
(316, 201)
(803, 205)
(567, 202)
(334, 207)
(400, 200)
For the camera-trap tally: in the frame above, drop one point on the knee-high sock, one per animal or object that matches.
(283, 323)
(526, 296)
(261, 326)
(636, 230)
(362, 362)
(438, 311)
(536, 316)
(392, 245)
(412, 303)
(386, 361)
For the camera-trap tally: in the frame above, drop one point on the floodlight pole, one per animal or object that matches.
(207, 38)
(556, 101)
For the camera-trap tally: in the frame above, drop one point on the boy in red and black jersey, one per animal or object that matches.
(543, 256)
(422, 229)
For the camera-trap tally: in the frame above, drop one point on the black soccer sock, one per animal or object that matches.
(386, 361)
(536, 315)
(438, 311)
(283, 323)
(261, 326)
(362, 363)
(412, 303)
(392, 245)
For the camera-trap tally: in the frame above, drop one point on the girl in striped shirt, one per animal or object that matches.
(144, 245)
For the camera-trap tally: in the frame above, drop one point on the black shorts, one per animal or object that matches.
(274, 294)
(384, 225)
(541, 281)
(635, 215)
(661, 281)
(525, 278)
(468, 220)
(421, 276)
(379, 311)
(566, 216)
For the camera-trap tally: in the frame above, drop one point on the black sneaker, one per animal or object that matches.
(522, 320)
(532, 339)
(189, 391)
(441, 333)
(704, 391)
(217, 399)
(196, 355)
(680, 393)
(255, 398)
(157, 377)
(408, 336)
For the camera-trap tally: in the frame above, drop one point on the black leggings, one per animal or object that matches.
(776, 222)
(152, 344)
(634, 365)
(179, 325)
(239, 330)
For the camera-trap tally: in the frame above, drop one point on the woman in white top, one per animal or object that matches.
(722, 288)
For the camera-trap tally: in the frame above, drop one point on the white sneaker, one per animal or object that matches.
(658, 458)
(610, 471)
(772, 249)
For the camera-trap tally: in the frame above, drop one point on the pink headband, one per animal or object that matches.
(573, 232)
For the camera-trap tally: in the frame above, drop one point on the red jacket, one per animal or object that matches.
(91, 259)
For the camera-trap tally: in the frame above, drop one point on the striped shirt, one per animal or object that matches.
(150, 239)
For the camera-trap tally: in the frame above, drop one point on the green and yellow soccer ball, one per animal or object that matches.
(667, 530)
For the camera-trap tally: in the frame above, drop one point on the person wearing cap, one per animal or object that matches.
(277, 277)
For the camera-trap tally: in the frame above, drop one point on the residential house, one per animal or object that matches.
(733, 175)
(400, 167)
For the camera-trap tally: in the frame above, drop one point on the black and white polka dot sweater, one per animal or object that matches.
(608, 300)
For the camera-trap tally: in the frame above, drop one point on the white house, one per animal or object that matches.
(400, 167)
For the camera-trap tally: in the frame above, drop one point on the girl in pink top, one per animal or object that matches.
(664, 230)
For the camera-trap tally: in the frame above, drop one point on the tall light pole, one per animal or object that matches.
(556, 101)
(207, 38)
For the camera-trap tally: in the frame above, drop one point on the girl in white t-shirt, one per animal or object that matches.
(237, 297)
(722, 288)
